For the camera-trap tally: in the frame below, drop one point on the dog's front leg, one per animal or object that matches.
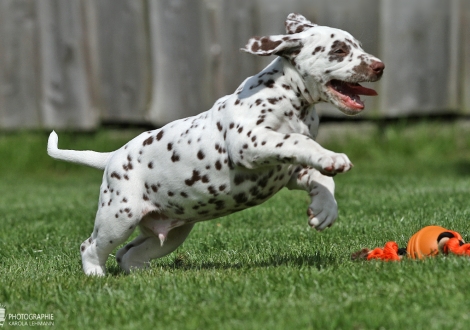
(323, 209)
(267, 147)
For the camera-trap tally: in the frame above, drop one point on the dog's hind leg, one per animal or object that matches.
(112, 228)
(137, 241)
(151, 245)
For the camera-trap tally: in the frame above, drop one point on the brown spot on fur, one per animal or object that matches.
(148, 141)
(196, 177)
(212, 190)
(273, 100)
(239, 179)
(269, 83)
(240, 198)
(175, 157)
(265, 44)
(361, 70)
(316, 50)
(115, 175)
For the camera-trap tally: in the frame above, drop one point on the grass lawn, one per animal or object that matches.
(262, 268)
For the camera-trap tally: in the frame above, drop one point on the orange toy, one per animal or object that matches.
(427, 242)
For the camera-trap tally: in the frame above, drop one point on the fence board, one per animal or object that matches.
(415, 41)
(454, 55)
(237, 26)
(271, 15)
(67, 101)
(124, 67)
(464, 80)
(177, 55)
(19, 67)
(211, 76)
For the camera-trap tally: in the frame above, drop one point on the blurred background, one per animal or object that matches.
(81, 64)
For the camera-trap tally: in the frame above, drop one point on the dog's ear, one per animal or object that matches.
(281, 45)
(296, 23)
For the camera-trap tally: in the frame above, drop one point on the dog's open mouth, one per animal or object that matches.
(348, 93)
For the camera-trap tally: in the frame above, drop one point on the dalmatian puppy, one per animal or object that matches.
(236, 155)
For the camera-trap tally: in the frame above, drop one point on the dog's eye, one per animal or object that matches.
(339, 51)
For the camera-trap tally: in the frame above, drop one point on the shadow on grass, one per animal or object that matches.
(316, 260)
(182, 263)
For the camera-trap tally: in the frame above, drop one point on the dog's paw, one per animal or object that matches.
(128, 261)
(128, 264)
(332, 164)
(90, 261)
(323, 210)
(93, 270)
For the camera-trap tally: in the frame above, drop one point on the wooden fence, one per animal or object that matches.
(78, 63)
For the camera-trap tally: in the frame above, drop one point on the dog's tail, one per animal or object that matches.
(85, 157)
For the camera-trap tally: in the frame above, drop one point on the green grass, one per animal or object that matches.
(262, 268)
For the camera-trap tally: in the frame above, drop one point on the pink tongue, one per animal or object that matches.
(355, 103)
(361, 90)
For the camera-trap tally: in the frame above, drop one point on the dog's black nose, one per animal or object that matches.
(377, 67)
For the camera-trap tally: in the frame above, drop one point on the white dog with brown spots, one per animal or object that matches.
(238, 154)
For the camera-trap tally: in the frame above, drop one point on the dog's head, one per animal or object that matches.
(330, 61)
